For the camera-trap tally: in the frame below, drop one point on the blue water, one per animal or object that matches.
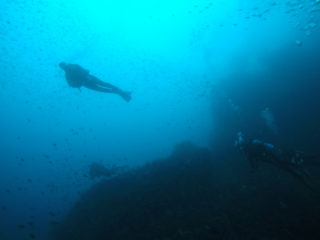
(198, 71)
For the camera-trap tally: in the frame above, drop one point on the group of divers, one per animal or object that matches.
(255, 150)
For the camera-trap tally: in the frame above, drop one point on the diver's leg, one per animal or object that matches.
(97, 85)
(108, 85)
(304, 177)
(113, 89)
(103, 84)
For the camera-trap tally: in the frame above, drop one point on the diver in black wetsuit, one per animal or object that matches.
(289, 161)
(77, 77)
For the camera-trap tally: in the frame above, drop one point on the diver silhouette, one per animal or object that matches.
(292, 161)
(77, 77)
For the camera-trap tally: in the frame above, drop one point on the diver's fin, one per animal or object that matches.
(126, 96)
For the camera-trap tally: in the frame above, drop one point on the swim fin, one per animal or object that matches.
(126, 96)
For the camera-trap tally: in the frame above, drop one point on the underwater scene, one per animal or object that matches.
(159, 120)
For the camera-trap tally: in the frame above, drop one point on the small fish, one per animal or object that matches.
(20, 226)
(30, 223)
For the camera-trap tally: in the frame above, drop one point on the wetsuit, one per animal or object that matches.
(77, 77)
(292, 162)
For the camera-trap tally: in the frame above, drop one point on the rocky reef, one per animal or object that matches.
(190, 195)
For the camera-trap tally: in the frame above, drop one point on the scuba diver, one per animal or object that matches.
(290, 161)
(77, 77)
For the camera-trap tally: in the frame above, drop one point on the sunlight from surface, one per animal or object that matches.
(150, 24)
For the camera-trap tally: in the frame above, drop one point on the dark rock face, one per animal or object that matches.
(168, 198)
(189, 196)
